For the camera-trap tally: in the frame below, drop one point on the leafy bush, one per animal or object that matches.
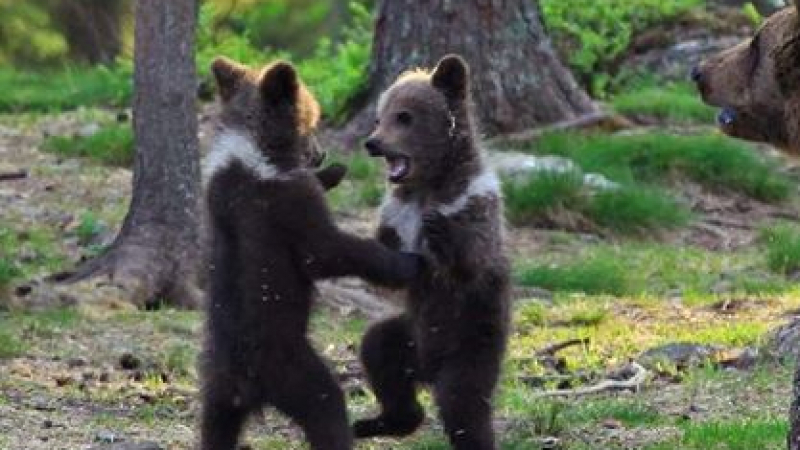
(595, 33)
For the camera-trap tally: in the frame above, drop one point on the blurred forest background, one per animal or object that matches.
(643, 235)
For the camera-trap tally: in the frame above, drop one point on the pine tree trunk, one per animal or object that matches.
(155, 256)
(518, 82)
(92, 28)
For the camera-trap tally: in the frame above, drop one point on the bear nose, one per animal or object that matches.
(696, 74)
(373, 146)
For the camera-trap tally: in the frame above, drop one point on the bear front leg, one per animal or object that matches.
(341, 255)
(331, 176)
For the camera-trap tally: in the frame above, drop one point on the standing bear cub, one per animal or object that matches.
(447, 205)
(272, 236)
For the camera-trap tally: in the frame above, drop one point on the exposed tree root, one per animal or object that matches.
(636, 380)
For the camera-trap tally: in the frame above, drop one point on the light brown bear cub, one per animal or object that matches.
(757, 84)
(272, 235)
(446, 204)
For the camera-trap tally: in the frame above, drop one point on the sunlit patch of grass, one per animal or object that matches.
(540, 193)
(673, 102)
(591, 276)
(715, 161)
(783, 248)
(742, 434)
(111, 145)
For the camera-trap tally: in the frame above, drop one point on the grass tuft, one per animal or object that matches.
(783, 248)
(674, 102)
(111, 145)
(712, 160)
(591, 276)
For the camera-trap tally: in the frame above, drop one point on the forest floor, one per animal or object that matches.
(79, 377)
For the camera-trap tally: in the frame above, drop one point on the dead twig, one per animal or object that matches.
(18, 175)
(552, 349)
(598, 118)
(633, 383)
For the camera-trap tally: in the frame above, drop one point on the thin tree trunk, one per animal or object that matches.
(518, 82)
(155, 256)
(92, 28)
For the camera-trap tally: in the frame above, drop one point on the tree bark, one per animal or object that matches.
(518, 82)
(155, 256)
(92, 28)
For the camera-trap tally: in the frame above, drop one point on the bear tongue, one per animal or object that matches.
(398, 168)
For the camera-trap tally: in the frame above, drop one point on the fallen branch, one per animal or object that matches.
(588, 120)
(18, 175)
(552, 349)
(633, 383)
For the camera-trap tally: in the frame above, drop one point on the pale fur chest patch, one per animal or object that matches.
(229, 146)
(405, 217)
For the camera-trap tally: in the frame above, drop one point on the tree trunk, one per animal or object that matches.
(92, 28)
(155, 256)
(518, 82)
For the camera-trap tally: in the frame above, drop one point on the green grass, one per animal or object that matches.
(11, 345)
(673, 102)
(783, 248)
(24, 253)
(593, 276)
(544, 198)
(111, 145)
(651, 269)
(68, 88)
(362, 187)
(731, 435)
(715, 161)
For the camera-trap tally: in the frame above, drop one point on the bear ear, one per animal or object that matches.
(280, 83)
(451, 76)
(227, 73)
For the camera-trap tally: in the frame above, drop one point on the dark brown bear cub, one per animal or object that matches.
(272, 236)
(447, 205)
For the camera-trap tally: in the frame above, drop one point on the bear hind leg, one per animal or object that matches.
(388, 353)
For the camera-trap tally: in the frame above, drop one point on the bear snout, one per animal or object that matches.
(696, 74)
(374, 147)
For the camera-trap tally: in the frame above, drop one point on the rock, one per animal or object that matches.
(674, 62)
(678, 356)
(78, 361)
(783, 343)
(107, 437)
(128, 446)
(517, 166)
(129, 361)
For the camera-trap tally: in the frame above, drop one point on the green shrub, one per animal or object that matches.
(712, 160)
(595, 33)
(783, 248)
(111, 145)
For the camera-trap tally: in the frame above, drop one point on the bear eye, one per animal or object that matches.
(404, 118)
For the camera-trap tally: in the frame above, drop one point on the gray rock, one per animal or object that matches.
(517, 166)
(783, 343)
(678, 356)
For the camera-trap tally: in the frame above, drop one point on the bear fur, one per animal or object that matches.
(447, 205)
(757, 84)
(272, 235)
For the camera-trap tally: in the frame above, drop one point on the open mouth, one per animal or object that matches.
(726, 117)
(398, 167)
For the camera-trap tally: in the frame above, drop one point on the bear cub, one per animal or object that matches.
(272, 235)
(447, 205)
